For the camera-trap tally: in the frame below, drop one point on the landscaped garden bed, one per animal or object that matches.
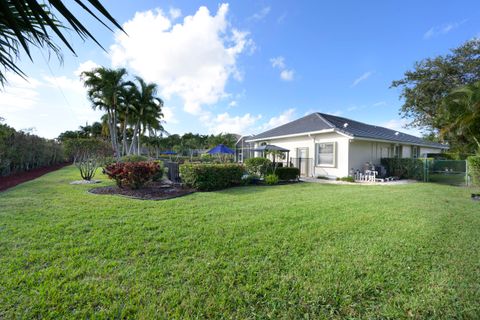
(153, 191)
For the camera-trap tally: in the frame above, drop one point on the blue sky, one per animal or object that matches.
(246, 66)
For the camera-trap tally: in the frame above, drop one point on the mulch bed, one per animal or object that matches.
(154, 191)
(15, 179)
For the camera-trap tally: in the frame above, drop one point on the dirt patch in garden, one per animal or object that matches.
(154, 191)
(15, 179)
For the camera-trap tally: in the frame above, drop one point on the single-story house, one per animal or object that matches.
(327, 145)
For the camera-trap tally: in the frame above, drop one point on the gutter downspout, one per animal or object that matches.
(314, 151)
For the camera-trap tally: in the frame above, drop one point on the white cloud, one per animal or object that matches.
(193, 59)
(279, 63)
(225, 123)
(18, 95)
(85, 66)
(169, 115)
(232, 104)
(441, 30)
(363, 77)
(59, 100)
(260, 15)
(247, 123)
(174, 13)
(284, 117)
(286, 75)
(71, 83)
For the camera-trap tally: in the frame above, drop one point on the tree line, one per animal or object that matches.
(22, 151)
(186, 144)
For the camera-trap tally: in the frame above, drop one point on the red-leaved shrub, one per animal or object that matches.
(133, 175)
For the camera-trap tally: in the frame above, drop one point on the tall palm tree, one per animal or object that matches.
(128, 101)
(148, 112)
(104, 88)
(462, 110)
(32, 23)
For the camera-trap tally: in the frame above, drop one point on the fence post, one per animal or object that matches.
(466, 173)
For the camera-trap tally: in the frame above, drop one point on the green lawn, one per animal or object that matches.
(293, 251)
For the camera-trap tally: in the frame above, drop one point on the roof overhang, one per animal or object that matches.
(402, 142)
(293, 135)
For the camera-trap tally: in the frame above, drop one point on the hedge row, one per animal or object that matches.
(404, 168)
(207, 177)
(20, 151)
(287, 173)
(474, 169)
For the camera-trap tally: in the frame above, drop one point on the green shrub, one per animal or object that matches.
(474, 169)
(133, 158)
(346, 179)
(287, 173)
(271, 179)
(133, 175)
(404, 168)
(250, 179)
(207, 177)
(257, 166)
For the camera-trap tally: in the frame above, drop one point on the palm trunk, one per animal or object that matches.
(132, 145)
(139, 142)
(124, 136)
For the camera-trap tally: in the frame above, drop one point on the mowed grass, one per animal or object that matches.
(283, 252)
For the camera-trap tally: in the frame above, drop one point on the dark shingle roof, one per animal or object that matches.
(309, 123)
(321, 121)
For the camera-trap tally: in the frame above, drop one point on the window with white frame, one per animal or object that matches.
(325, 154)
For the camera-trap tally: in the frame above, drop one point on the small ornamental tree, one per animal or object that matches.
(88, 155)
(257, 166)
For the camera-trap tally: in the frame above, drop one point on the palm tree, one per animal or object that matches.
(105, 88)
(128, 102)
(462, 109)
(32, 23)
(148, 112)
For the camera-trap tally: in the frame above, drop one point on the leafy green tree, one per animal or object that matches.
(462, 115)
(424, 88)
(32, 23)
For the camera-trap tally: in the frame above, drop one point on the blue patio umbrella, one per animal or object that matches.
(168, 152)
(221, 149)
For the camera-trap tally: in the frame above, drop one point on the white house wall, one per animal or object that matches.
(349, 153)
(362, 152)
(294, 143)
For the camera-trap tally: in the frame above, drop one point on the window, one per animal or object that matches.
(415, 152)
(326, 154)
(397, 151)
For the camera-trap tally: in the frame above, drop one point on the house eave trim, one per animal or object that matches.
(299, 135)
(400, 142)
